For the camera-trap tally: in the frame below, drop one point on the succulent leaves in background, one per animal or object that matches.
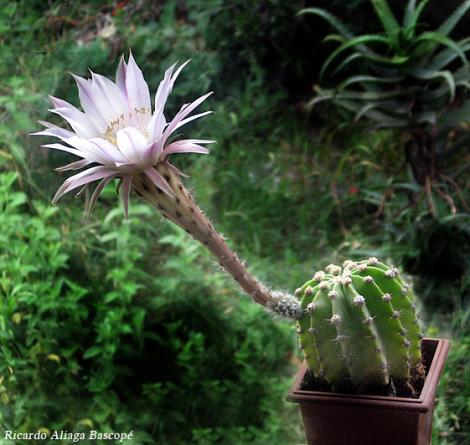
(409, 78)
(360, 328)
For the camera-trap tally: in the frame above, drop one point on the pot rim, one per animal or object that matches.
(422, 404)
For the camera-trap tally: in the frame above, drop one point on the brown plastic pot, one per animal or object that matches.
(344, 419)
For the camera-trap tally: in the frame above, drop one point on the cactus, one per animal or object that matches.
(360, 327)
(357, 324)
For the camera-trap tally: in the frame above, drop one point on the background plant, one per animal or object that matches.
(410, 78)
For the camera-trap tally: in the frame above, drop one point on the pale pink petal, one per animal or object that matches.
(132, 144)
(195, 141)
(158, 180)
(166, 86)
(126, 166)
(74, 165)
(175, 169)
(79, 122)
(53, 130)
(109, 150)
(156, 126)
(88, 102)
(121, 76)
(82, 178)
(189, 119)
(178, 71)
(59, 103)
(137, 89)
(184, 148)
(93, 151)
(151, 152)
(96, 193)
(51, 125)
(110, 94)
(65, 148)
(184, 111)
(125, 193)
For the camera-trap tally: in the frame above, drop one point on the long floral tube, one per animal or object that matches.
(181, 209)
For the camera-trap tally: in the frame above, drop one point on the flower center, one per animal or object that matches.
(113, 127)
(138, 119)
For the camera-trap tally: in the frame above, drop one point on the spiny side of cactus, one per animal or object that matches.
(360, 326)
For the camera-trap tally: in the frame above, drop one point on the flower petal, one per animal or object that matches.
(195, 141)
(65, 148)
(55, 131)
(97, 192)
(166, 85)
(59, 103)
(125, 194)
(164, 88)
(175, 169)
(184, 111)
(82, 178)
(78, 120)
(151, 152)
(92, 151)
(189, 119)
(132, 144)
(121, 76)
(158, 122)
(156, 126)
(74, 165)
(110, 150)
(184, 147)
(109, 98)
(88, 102)
(137, 89)
(158, 180)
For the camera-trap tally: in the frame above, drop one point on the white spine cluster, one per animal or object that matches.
(285, 305)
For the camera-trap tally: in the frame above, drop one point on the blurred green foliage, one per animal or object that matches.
(89, 336)
(127, 325)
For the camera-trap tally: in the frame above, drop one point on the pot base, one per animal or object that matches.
(343, 419)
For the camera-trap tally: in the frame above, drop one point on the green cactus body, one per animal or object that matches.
(360, 326)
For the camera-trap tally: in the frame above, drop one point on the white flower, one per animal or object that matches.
(117, 135)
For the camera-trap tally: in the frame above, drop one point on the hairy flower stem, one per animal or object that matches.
(183, 211)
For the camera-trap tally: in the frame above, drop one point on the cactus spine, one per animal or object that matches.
(360, 326)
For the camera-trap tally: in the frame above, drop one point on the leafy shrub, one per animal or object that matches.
(451, 420)
(91, 336)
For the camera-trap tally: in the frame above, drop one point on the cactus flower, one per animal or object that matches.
(117, 135)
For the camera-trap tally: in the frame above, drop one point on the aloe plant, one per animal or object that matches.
(408, 78)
